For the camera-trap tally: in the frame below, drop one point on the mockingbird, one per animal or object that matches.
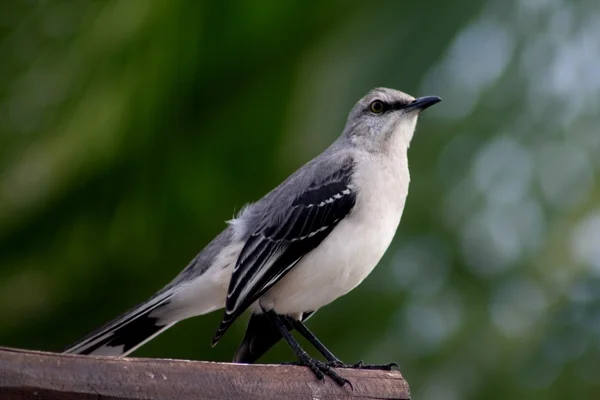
(309, 241)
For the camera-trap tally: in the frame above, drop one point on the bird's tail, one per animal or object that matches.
(126, 333)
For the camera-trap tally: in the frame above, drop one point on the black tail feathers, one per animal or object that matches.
(125, 333)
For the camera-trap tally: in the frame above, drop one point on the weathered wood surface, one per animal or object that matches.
(37, 375)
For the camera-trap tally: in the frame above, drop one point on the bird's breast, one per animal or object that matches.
(352, 249)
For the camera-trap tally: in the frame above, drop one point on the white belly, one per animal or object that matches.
(352, 249)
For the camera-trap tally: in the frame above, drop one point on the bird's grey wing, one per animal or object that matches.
(280, 242)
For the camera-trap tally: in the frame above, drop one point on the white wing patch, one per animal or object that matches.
(333, 198)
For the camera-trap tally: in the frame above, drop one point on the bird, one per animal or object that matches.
(309, 241)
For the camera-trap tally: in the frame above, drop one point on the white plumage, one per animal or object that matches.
(355, 246)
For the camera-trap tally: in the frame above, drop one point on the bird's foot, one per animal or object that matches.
(320, 369)
(362, 365)
(295, 363)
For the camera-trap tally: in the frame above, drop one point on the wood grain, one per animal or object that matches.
(37, 375)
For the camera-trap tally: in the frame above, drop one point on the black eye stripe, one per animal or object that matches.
(387, 106)
(398, 105)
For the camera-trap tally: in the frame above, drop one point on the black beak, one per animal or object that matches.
(422, 103)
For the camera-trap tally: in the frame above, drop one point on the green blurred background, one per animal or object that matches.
(131, 130)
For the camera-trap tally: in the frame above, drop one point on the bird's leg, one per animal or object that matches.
(332, 360)
(319, 368)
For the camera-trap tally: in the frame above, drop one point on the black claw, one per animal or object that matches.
(385, 367)
(336, 364)
(316, 370)
(321, 369)
(361, 365)
(294, 363)
(340, 380)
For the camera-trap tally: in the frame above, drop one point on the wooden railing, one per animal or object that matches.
(49, 376)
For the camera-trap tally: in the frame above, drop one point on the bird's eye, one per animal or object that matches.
(377, 107)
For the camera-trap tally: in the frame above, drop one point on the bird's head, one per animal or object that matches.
(385, 119)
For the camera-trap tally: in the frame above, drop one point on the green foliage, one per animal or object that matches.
(131, 130)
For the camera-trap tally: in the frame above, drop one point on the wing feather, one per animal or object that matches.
(280, 242)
